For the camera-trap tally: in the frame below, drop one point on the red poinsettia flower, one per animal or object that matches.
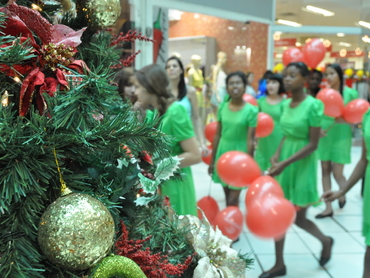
(58, 47)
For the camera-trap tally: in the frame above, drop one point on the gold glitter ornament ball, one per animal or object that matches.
(117, 266)
(103, 13)
(76, 231)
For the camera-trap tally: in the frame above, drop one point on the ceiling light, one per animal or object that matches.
(340, 34)
(327, 43)
(317, 10)
(343, 53)
(298, 44)
(346, 44)
(366, 39)
(364, 24)
(279, 55)
(231, 28)
(288, 22)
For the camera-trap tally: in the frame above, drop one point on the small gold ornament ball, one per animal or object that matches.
(103, 13)
(76, 231)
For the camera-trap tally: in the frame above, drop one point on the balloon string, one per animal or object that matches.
(210, 186)
(64, 190)
(330, 127)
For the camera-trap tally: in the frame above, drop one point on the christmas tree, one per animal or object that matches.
(79, 171)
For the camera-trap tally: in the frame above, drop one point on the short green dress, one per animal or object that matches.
(234, 132)
(336, 145)
(267, 146)
(366, 205)
(176, 123)
(299, 179)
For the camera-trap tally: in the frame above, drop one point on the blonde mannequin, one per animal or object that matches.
(218, 81)
(196, 79)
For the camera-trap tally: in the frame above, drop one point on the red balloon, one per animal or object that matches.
(210, 208)
(333, 102)
(355, 110)
(265, 125)
(270, 217)
(263, 186)
(210, 131)
(237, 169)
(207, 159)
(292, 55)
(313, 52)
(230, 222)
(250, 99)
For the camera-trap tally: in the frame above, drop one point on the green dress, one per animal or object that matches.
(299, 179)
(176, 123)
(268, 145)
(366, 205)
(336, 145)
(234, 131)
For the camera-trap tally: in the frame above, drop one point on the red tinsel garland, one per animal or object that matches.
(153, 265)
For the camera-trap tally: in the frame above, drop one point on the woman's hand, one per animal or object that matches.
(330, 196)
(276, 169)
(323, 133)
(274, 159)
(340, 120)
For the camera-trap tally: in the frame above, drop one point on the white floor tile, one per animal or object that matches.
(346, 266)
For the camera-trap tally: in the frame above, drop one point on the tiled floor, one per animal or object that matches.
(302, 251)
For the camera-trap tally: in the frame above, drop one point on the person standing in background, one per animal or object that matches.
(335, 145)
(250, 90)
(314, 82)
(271, 104)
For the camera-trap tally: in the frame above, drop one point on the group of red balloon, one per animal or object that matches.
(334, 106)
(312, 53)
(269, 214)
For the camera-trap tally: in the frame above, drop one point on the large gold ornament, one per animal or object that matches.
(76, 231)
(103, 13)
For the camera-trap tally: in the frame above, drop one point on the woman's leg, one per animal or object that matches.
(232, 198)
(279, 259)
(310, 227)
(326, 169)
(367, 263)
(340, 179)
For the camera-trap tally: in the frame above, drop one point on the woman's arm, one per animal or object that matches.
(197, 123)
(216, 140)
(357, 174)
(277, 168)
(275, 158)
(191, 154)
(250, 140)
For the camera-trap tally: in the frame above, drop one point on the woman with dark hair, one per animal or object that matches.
(271, 104)
(314, 82)
(237, 121)
(152, 93)
(295, 163)
(186, 96)
(335, 145)
(125, 79)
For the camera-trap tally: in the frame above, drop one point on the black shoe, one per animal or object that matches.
(323, 260)
(342, 203)
(319, 216)
(280, 272)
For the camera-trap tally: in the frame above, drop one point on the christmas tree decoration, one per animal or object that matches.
(214, 249)
(103, 13)
(114, 265)
(76, 231)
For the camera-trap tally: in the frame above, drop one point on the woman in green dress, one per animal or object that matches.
(335, 145)
(152, 93)
(362, 168)
(237, 120)
(270, 104)
(295, 162)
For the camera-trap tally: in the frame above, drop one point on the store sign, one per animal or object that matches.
(348, 54)
(285, 42)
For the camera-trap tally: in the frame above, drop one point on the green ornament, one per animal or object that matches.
(76, 231)
(120, 266)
